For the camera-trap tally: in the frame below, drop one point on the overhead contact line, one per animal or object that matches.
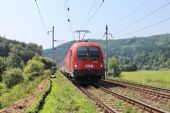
(93, 15)
(69, 20)
(144, 17)
(131, 13)
(41, 17)
(146, 27)
(89, 12)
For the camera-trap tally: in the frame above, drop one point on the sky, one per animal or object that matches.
(20, 20)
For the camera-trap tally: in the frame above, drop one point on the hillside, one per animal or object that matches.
(15, 51)
(151, 52)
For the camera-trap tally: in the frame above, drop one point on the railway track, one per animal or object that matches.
(163, 90)
(158, 92)
(107, 108)
(99, 103)
(142, 105)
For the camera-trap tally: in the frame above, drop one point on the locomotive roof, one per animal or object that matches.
(86, 44)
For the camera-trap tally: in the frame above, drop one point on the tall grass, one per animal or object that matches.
(3, 88)
(38, 104)
(153, 78)
(65, 98)
(18, 92)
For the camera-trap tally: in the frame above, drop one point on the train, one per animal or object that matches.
(84, 62)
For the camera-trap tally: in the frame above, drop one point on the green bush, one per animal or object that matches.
(2, 67)
(47, 72)
(114, 65)
(33, 69)
(130, 67)
(18, 92)
(3, 88)
(11, 77)
(47, 62)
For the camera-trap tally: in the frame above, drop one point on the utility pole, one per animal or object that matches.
(82, 31)
(52, 43)
(53, 70)
(106, 49)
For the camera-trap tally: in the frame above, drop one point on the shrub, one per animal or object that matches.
(130, 67)
(33, 69)
(47, 72)
(114, 65)
(2, 67)
(47, 62)
(18, 92)
(11, 77)
(14, 60)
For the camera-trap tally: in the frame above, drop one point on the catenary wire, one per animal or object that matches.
(67, 9)
(87, 15)
(144, 17)
(89, 20)
(41, 17)
(146, 27)
(128, 15)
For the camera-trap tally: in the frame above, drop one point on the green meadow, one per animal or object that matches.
(152, 78)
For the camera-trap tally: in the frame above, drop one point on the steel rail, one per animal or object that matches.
(98, 102)
(145, 86)
(142, 105)
(140, 89)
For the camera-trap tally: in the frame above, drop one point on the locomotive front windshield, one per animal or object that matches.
(88, 52)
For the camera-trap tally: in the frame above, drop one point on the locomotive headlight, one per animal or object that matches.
(75, 65)
(101, 65)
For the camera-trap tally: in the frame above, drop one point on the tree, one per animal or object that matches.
(2, 67)
(35, 48)
(11, 77)
(18, 53)
(47, 62)
(114, 65)
(33, 69)
(14, 60)
(26, 54)
(130, 67)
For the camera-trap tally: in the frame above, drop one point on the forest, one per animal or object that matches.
(18, 59)
(142, 53)
(22, 68)
(17, 53)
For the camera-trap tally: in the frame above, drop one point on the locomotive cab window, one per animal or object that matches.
(88, 52)
(93, 52)
(82, 52)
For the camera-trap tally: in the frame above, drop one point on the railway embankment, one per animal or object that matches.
(28, 101)
(66, 98)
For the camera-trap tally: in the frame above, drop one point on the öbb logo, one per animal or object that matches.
(89, 66)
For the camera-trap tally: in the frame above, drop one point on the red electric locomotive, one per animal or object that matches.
(84, 62)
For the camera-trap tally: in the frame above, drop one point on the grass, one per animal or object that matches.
(152, 78)
(65, 98)
(37, 106)
(3, 88)
(18, 91)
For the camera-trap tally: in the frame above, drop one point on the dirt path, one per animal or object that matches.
(21, 105)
